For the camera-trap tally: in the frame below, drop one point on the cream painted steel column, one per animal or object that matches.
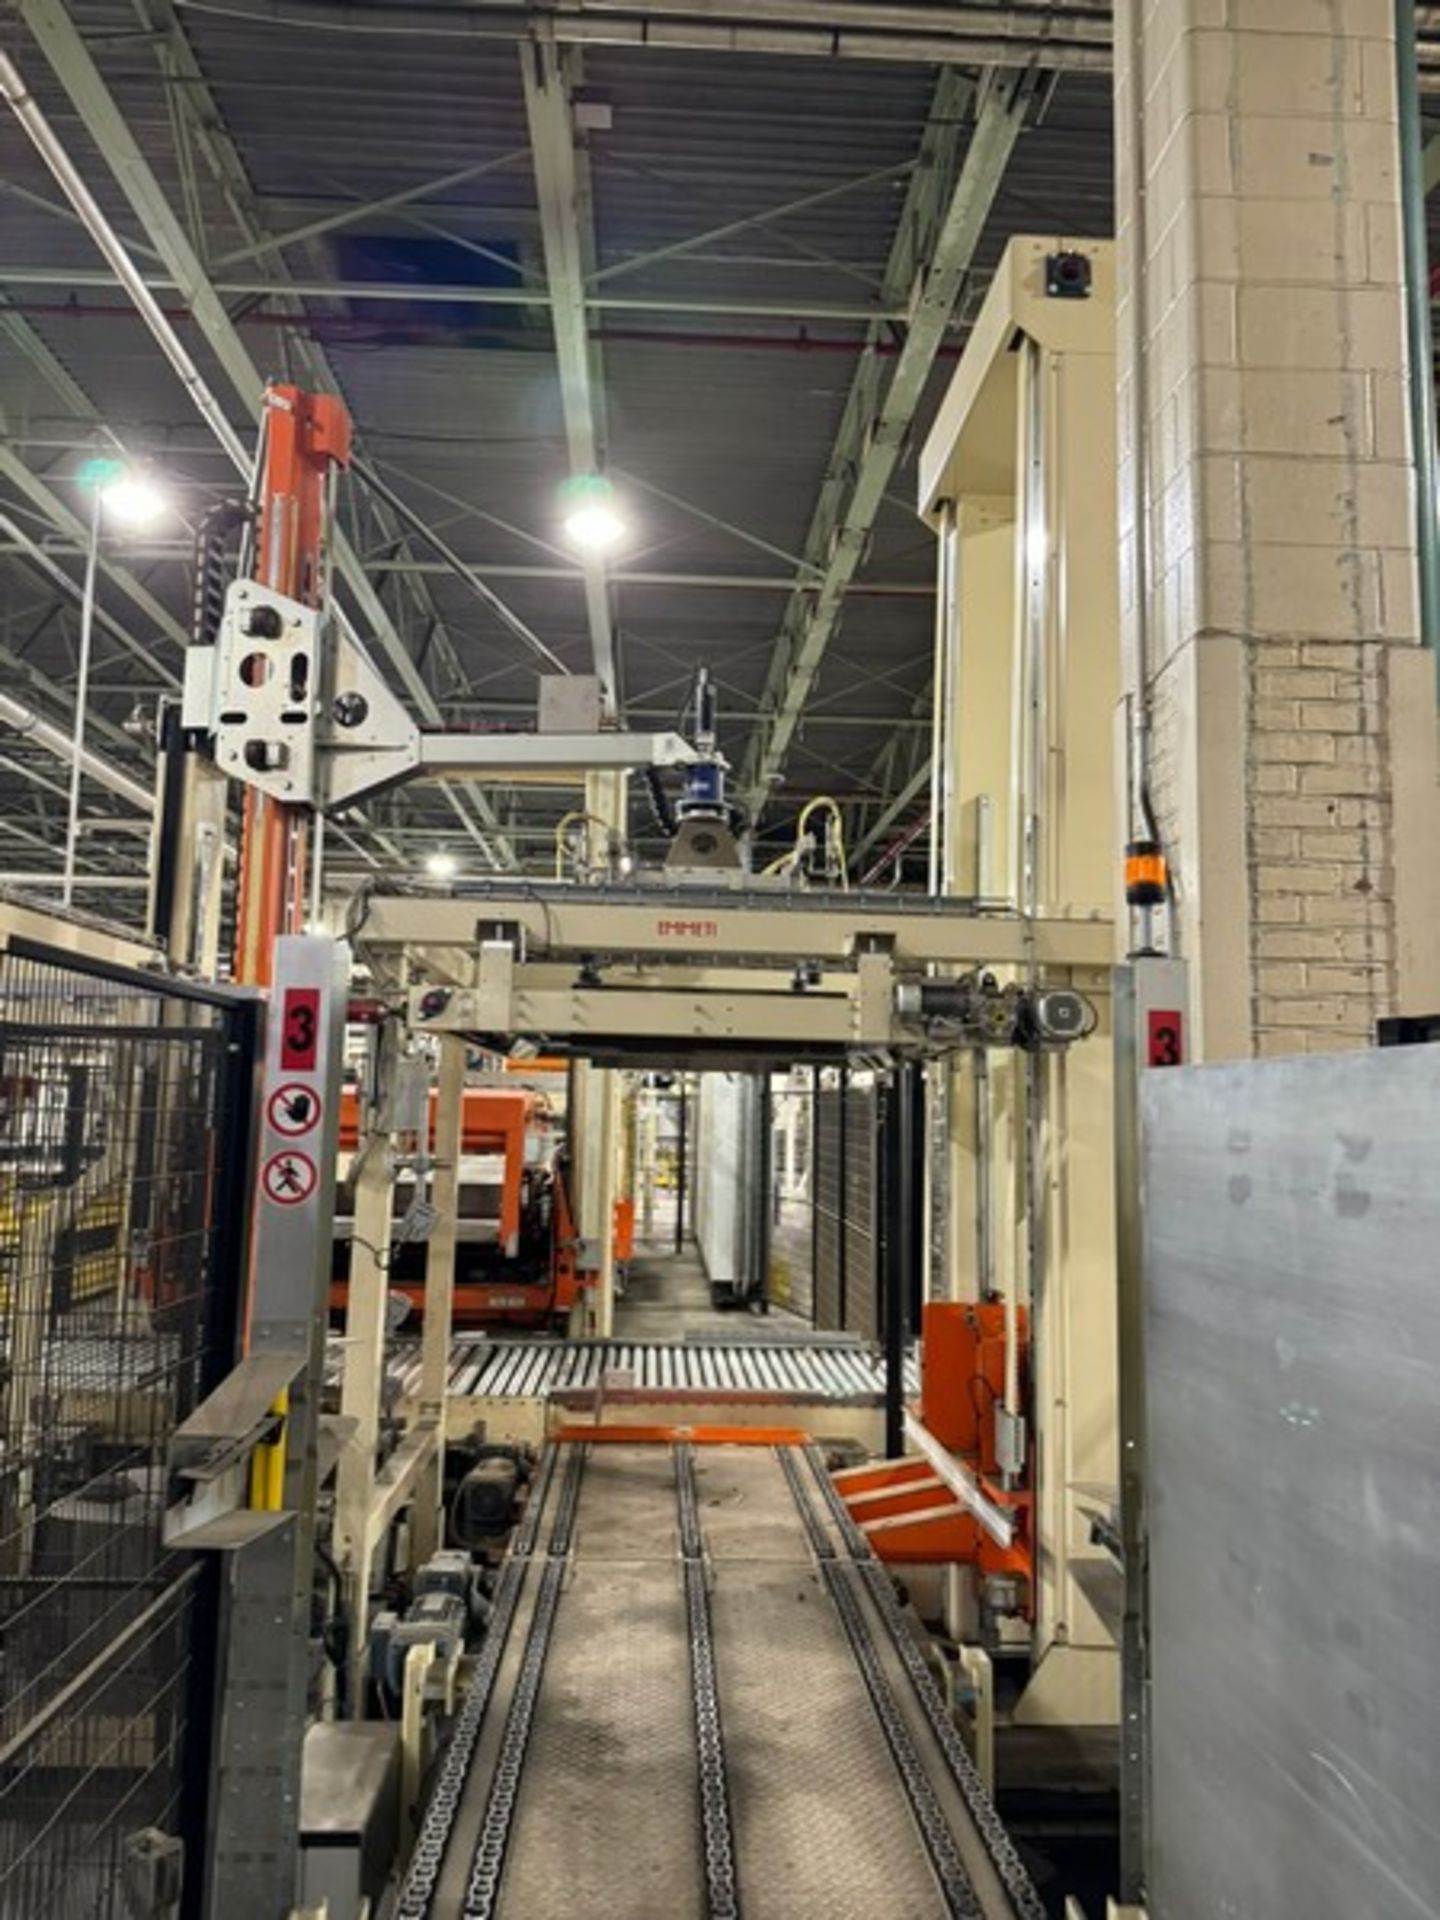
(363, 1380)
(595, 1130)
(1267, 519)
(1023, 444)
(609, 1092)
(427, 1521)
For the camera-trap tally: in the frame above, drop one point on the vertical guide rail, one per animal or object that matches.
(681, 1153)
(722, 1891)
(304, 438)
(1420, 339)
(1130, 1314)
(764, 1165)
(439, 1289)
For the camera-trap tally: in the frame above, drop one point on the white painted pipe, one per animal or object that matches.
(82, 694)
(14, 713)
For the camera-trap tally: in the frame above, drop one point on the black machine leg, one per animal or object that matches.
(901, 1248)
(765, 1196)
(680, 1159)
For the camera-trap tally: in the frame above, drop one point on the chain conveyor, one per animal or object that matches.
(699, 1700)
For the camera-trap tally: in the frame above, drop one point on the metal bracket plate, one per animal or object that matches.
(265, 685)
(229, 1422)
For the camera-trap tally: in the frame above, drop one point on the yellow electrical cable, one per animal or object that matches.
(577, 816)
(825, 800)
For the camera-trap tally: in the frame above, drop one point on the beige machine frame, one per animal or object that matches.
(1017, 479)
(626, 974)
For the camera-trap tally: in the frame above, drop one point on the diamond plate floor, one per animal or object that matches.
(607, 1819)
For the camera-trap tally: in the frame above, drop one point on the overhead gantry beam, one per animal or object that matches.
(562, 187)
(60, 41)
(930, 256)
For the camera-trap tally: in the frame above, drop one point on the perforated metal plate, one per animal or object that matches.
(627, 1505)
(607, 1817)
(822, 1827)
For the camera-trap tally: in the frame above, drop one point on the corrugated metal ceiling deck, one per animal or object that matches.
(736, 415)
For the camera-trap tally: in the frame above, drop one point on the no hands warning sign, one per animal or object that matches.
(293, 1109)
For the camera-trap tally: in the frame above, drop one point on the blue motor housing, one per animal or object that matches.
(704, 790)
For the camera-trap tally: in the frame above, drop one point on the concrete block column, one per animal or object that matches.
(1268, 578)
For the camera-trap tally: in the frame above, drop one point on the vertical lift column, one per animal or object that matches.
(1027, 676)
(268, 1577)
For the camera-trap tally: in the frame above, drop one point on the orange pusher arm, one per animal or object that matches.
(904, 1507)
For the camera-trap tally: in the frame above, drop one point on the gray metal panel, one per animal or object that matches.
(1292, 1224)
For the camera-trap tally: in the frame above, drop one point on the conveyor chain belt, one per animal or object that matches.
(722, 1892)
(419, 1888)
(596, 1555)
(489, 1859)
(960, 1896)
(998, 1844)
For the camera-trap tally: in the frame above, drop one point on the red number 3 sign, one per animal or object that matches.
(300, 1029)
(1166, 1038)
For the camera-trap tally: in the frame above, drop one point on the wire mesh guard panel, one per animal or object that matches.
(115, 1317)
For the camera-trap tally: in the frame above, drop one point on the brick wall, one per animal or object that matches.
(1296, 793)
(1319, 853)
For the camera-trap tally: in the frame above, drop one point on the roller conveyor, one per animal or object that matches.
(794, 1368)
(699, 1701)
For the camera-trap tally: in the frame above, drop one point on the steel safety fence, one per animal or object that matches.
(123, 1133)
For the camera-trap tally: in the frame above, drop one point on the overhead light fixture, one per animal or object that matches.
(134, 501)
(442, 866)
(128, 497)
(592, 522)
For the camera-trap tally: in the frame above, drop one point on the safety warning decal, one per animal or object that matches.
(288, 1177)
(293, 1109)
